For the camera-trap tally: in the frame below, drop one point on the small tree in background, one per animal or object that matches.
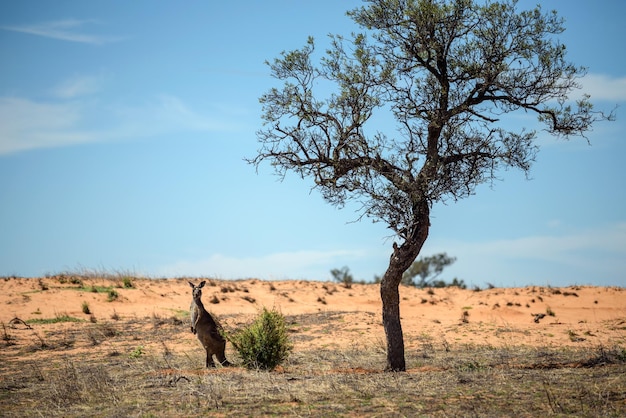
(454, 283)
(343, 276)
(427, 269)
(446, 71)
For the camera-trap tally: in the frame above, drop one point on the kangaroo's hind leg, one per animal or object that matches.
(209, 359)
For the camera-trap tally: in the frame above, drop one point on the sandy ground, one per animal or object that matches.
(345, 317)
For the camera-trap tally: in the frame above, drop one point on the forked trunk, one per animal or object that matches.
(400, 261)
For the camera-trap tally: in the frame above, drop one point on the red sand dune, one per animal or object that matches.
(581, 315)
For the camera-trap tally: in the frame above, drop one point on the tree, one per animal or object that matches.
(456, 282)
(343, 276)
(427, 269)
(447, 71)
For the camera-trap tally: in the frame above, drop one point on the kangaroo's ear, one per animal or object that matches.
(202, 283)
(191, 284)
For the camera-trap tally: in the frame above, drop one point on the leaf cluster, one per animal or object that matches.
(264, 344)
(447, 72)
(427, 269)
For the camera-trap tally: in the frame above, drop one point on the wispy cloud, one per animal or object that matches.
(562, 248)
(71, 30)
(603, 87)
(595, 255)
(73, 117)
(26, 125)
(77, 86)
(313, 265)
(579, 256)
(166, 114)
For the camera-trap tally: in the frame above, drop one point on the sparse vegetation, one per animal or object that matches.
(112, 295)
(131, 365)
(454, 379)
(465, 317)
(57, 319)
(574, 337)
(127, 282)
(6, 337)
(137, 352)
(248, 299)
(100, 289)
(85, 308)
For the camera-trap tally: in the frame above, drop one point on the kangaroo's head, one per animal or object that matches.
(196, 291)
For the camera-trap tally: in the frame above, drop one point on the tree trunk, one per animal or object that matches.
(390, 295)
(400, 261)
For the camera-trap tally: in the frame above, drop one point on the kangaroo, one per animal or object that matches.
(206, 329)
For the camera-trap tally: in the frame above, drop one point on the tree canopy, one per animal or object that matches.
(447, 72)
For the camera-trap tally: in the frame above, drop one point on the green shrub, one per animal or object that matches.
(137, 352)
(112, 295)
(264, 344)
(76, 280)
(127, 282)
(86, 309)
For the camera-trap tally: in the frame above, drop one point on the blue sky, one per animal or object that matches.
(124, 127)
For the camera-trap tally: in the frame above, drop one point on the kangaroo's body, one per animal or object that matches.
(206, 329)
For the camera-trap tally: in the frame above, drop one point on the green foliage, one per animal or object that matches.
(55, 320)
(127, 282)
(427, 269)
(264, 344)
(343, 276)
(94, 288)
(76, 280)
(469, 366)
(456, 66)
(112, 295)
(137, 352)
(109, 290)
(454, 283)
(85, 308)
